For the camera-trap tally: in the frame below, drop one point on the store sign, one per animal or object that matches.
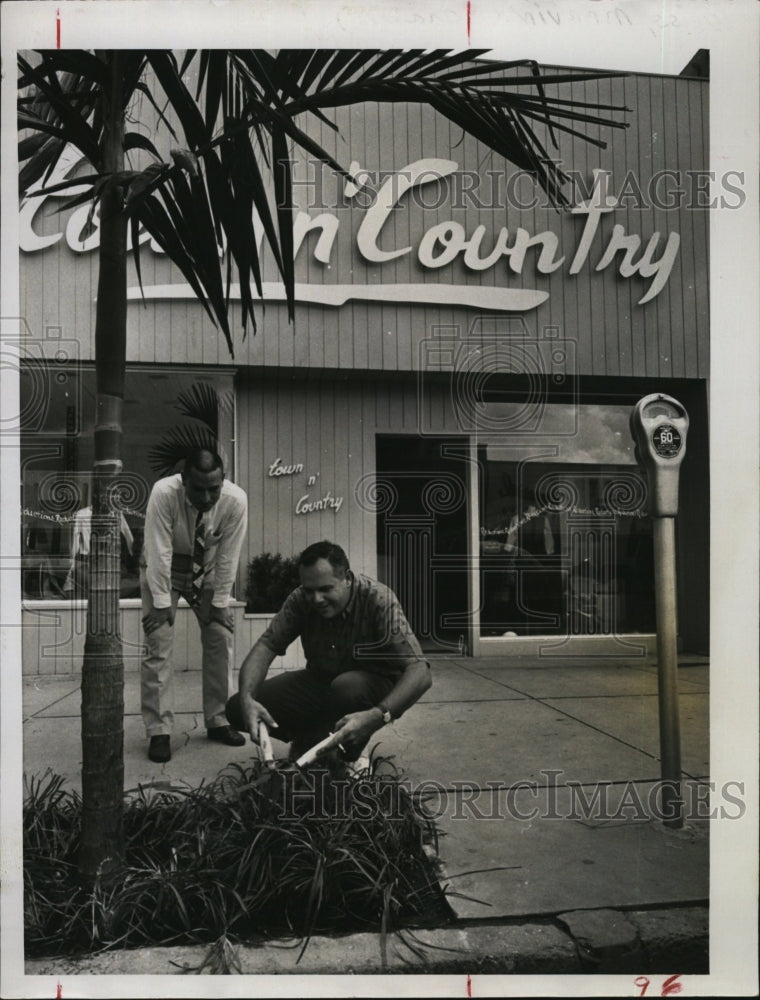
(440, 245)
(446, 241)
(308, 503)
(279, 468)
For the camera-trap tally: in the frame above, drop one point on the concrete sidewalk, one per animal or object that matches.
(543, 778)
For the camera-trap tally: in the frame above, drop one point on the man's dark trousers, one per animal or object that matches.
(306, 704)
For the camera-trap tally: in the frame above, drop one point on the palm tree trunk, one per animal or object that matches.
(103, 667)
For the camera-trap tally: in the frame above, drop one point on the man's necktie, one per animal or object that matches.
(199, 550)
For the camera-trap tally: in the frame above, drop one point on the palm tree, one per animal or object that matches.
(202, 198)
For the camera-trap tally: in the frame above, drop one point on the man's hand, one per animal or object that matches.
(222, 616)
(253, 713)
(156, 618)
(353, 730)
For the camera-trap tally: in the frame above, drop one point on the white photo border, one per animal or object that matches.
(629, 35)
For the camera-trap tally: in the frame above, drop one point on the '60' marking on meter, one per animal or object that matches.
(667, 440)
(670, 987)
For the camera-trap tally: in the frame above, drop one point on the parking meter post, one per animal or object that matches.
(667, 671)
(659, 426)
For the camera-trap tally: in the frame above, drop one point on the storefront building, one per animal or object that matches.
(451, 404)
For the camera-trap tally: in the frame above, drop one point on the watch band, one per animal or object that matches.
(387, 717)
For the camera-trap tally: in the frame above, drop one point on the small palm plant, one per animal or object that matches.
(202, 404)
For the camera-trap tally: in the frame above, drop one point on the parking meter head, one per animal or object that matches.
(659, 426)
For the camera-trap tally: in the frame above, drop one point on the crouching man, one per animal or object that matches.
(364, 666)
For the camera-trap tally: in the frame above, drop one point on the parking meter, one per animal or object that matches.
(659, 425)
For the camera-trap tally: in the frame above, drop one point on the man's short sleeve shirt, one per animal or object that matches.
(371, 633)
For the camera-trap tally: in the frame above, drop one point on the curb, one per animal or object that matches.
(666, 940)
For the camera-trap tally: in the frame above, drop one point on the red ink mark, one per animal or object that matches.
(58, 45)
(469, 5)
(469, 979)
(58, 992)
(670, 986)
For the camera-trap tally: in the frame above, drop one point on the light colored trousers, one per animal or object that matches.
(157, 673)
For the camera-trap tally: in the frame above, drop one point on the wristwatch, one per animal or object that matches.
(387, 717)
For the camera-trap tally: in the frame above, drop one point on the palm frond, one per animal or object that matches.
(474, 95)
(61, 108)
(238, 129)
(172, 230)
(201, 402)
(164, 65)
(176, 445)
(136, 140)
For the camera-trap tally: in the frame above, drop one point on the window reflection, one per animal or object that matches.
(565, 542)
(56, 459)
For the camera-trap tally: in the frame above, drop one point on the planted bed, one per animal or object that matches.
(236, 859)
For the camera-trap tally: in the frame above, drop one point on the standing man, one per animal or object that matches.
(364, 665)
(194, 529)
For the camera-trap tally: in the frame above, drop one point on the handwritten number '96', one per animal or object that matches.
(669, 987)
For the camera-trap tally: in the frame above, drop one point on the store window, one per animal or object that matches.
(565, 539)
(164, 410)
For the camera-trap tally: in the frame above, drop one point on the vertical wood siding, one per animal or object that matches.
(328, 426)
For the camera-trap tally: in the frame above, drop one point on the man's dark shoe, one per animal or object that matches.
(160, 750)
(226, 734)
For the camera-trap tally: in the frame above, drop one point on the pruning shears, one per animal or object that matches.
(272, 766)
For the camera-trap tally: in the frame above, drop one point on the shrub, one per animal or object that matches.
(234, 859)
(270, 579)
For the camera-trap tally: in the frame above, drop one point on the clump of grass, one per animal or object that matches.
(234, 860)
